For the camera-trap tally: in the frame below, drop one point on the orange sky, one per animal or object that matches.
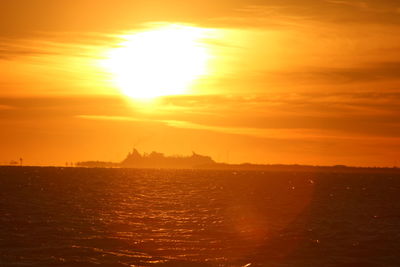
(308, 82)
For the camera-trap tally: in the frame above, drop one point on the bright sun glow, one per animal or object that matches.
(158, 62)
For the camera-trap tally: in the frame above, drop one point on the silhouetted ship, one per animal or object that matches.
(159, 160)
(155, 160)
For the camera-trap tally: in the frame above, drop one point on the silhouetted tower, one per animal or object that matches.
(20, 161)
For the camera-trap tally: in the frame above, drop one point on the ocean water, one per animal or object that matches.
(126, 217)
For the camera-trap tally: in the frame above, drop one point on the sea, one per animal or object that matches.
(51, 216)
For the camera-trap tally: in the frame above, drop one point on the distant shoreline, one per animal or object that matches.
(241, 167)
(156, 160)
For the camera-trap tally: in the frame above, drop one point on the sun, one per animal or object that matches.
(165, 60)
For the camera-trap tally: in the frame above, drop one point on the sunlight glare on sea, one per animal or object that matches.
(127, 217)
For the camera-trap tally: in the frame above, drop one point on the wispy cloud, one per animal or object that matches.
(10, 49)
(357, 4)
(302, 123)
(364, 113)
(109, 118)
(337, 11)
(367, 115)
(6, 107)
(56, 44)
(361, 113)
(382, 71)
(275, 133)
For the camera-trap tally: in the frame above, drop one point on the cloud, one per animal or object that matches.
(357, 4)
(368, 115)
(255, 132)
(335, 11)
(25, 18)
(381, 71)
(56, 44)
(264, 133)
(279, 121)
(62, 107)
(109, 118)
(6, 107)
(9, 49)
(288, 103)
(364, 113)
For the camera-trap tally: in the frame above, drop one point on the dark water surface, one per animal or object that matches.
(122, 217)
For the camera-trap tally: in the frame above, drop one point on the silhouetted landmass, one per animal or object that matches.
(97, 164)
(159, 161)
(299, 168)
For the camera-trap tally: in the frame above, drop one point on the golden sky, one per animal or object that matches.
(308, 82)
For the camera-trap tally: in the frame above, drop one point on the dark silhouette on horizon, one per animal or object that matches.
(158, 160)
(155, 160)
